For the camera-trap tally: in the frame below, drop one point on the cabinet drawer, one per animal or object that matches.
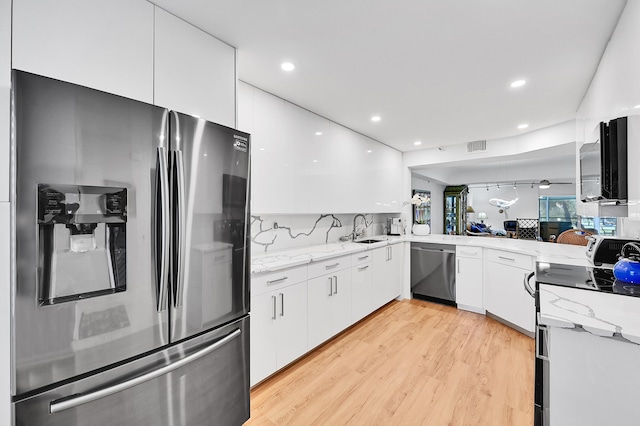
(268, 281)
(517, 260)
(317, 269)
(469, 251)
(360, 258)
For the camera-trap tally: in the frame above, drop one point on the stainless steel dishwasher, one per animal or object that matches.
(433, 273)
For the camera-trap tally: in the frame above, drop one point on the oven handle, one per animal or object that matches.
(542, 344)
(527, 286)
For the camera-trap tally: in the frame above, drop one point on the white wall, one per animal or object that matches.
(615, 92)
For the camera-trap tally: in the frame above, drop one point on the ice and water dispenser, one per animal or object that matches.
(82, 241)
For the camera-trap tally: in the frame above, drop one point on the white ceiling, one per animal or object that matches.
(437, 71)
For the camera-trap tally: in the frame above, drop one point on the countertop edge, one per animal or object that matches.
(284, 259)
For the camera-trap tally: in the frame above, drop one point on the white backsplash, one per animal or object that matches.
(630, 228)
(270, 233)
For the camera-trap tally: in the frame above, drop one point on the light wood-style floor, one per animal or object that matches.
(410, 363)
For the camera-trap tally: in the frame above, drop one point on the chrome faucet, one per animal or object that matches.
(354, 233)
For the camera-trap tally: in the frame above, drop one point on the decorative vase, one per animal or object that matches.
(421, 229)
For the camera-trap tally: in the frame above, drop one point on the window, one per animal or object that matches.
(558, 209)
(556, 214)
(602, 225)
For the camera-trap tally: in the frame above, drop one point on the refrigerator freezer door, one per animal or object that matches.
(211, 369)
(210, 175)
(87, 150)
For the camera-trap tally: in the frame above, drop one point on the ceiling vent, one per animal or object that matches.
(477, 146)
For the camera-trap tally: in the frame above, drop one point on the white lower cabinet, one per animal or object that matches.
(387, 273)
(329, 306)
(278, 328)
(296, 309)
(504, 293)
(469, 278)
(362, 303)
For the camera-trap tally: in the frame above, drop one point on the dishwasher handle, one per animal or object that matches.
(433, 250)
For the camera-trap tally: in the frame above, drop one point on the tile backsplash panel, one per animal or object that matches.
(270, 233)
(630, 228)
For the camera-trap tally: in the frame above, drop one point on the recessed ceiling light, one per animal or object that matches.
(523, 126)
(315, 161)
(288, 66)
(416, 143)
(318, 133)
(369, 151)
(375, 118)
(518, 83)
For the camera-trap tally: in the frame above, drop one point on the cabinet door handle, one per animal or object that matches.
(363, 257)
(506, 258)
(335, 282)
(363, 268)
(281, 304)
(458, 265)
(389, 253)
(273, 299)
(331, 266)
(277, 281)
(330, 286)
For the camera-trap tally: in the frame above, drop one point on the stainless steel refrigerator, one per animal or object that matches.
(131, 264)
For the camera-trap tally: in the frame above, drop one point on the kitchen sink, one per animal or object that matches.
(368, 241)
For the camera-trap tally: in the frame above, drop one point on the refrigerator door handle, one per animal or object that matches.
(162, 253)
(181, 210)
(74, 401)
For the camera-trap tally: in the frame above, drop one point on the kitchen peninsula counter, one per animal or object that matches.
(543, 251)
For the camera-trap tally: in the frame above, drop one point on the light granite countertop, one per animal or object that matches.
(601, 314)
(544, 252)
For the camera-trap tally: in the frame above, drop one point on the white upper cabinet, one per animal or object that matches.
(105, 45)
(245, 107)
(195, 73)
(272, 184)
(303, 159)
(304, 163)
